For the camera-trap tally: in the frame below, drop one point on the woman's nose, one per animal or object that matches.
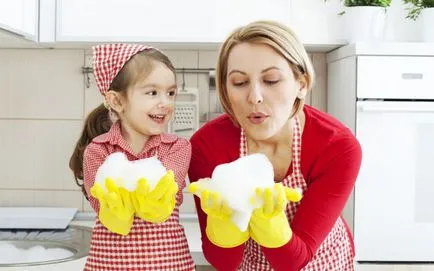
(255, 95)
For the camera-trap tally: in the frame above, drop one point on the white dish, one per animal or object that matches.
(36, 217)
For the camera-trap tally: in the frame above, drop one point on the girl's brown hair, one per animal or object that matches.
(279, 37)
(98, 121)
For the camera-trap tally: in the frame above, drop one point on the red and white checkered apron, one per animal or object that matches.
(147, 247)
(334, 254)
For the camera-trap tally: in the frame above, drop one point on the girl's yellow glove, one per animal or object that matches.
(116, 211)
(220, 229)
(157, 205)
(269, 225)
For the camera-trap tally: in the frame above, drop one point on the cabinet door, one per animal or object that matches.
(231, 14)
(395, 77)
(394, 217)
(20, 17)
(159, 20)
(135, 20)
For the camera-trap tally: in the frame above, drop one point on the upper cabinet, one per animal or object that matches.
(19, 18)
(193, 23)
(186, 21)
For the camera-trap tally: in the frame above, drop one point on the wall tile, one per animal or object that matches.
(41, 83)
(16, 198)
(52, 198)
(36, 153)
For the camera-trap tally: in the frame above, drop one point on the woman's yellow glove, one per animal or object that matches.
(269, 225)
(220, 229)
(116, 211)
(157, 205)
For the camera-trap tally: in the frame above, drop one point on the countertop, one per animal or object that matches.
(191, 228)
(193, 236)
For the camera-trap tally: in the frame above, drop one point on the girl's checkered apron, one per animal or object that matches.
(148, 246)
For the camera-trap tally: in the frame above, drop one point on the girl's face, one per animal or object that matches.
(151, 102)
(261, 88)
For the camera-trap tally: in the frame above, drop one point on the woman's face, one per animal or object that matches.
(261, 89)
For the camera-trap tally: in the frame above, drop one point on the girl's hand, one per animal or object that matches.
(157, 205)
(116, 211)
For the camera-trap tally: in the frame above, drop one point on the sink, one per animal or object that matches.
(74, 241)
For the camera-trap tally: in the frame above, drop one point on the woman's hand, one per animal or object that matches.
(269, 225)
(116, 211)
(157, 205)
(220, 228)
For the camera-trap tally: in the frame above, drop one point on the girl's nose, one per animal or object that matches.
(164, 101)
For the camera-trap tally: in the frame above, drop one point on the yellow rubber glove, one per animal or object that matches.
(220, 229)
(157, 205)
(116, 211)
(269, 225)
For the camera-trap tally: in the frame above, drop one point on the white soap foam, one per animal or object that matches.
(9, 254)
(237, 181)
(127, 173)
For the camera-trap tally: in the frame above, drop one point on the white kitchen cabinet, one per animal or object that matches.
(187, 21)
(384, 93)
(20, 17)
(406, 76)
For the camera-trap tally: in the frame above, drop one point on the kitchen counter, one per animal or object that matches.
(191, 227)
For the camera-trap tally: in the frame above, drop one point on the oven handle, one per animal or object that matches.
(419, 109)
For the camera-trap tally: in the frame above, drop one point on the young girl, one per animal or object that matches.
(139, 88)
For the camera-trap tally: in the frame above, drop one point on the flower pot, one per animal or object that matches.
(427, 24)
(364, 23)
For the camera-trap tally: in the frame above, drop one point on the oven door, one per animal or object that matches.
(394, 193)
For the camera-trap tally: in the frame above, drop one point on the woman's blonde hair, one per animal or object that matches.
(279, 37)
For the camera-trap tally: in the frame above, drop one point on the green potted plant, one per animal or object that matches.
(369, 3)
(425, 10)
(415, 7)
(364, 20)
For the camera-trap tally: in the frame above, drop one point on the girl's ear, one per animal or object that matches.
(115, 101)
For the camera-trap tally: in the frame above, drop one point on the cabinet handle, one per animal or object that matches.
(367, 108)
(412, 76)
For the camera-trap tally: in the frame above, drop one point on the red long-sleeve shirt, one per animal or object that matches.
(330, 162)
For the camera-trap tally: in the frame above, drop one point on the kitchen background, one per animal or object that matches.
(45, 100)
(46, 93)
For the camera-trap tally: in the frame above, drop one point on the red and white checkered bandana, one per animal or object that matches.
(108, 60)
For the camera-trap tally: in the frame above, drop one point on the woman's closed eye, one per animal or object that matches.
(239, 83)
(271, 82)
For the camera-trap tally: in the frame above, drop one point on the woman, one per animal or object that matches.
(263, 76)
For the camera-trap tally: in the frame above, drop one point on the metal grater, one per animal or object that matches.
(186, 117)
